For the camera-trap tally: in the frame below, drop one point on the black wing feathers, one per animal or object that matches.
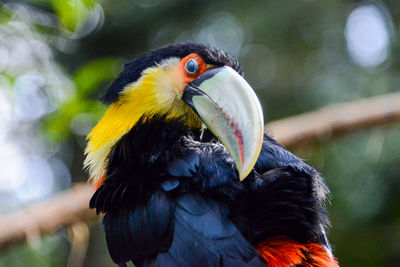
(285, 197)
(184, 167)
(189, 230)
(284, 205)
(203, 236)
(273, 156)
(144, 231)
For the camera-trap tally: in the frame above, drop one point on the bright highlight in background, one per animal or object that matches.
(368, 35)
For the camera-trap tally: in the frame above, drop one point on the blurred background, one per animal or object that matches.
(57, 57)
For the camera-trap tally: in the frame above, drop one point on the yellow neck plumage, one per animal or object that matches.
(156, 92)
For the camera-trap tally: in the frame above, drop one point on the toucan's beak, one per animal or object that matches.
(230, 109)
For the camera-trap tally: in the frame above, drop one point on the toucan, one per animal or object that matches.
(185, 175)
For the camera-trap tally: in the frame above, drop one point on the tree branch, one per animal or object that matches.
(336, 120)
(71, 206)
(64, 209)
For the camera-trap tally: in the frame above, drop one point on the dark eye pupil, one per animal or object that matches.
(191, 66)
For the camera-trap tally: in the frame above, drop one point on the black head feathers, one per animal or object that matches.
(133, 70)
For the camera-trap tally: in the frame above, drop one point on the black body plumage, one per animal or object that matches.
(172, 198)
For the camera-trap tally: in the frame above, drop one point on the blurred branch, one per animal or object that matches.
(79, 238)
(64, 209)
(336, 120)
(71, 206)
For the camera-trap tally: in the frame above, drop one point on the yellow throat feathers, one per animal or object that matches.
(158, 91)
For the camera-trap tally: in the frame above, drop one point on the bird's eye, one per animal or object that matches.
(192, 67)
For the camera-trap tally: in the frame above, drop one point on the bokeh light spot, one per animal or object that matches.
(368, 35)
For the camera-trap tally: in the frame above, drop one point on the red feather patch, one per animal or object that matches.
(317, 256)
(280, 251)
(97, 184)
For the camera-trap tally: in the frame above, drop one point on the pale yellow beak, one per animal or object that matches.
(230, 109)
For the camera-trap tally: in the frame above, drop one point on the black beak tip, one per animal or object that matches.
(188, 94)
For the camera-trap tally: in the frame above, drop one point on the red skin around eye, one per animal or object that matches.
(187, 77)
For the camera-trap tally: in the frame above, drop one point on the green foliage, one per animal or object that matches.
(4, 16)
(50, 251)
(73, 13)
